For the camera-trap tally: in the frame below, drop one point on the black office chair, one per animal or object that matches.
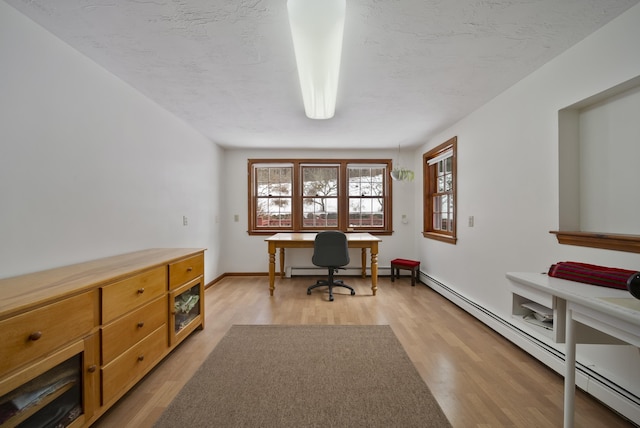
(330, 250)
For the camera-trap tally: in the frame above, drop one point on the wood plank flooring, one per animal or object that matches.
(479, 378)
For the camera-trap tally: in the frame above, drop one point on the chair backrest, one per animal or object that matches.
(330, 249)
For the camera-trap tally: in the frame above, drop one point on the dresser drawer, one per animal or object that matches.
(129, 367)
(33, 334)
(121, 297)
(185, 270)
(120, 335)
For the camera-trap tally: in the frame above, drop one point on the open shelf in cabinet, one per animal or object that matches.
(187, 310)
(523, 294)
(51, 392)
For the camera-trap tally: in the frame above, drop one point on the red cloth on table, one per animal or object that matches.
(591, 274)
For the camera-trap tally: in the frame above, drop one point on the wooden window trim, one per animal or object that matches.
(607, 241)
(343, 217)
(429, 183)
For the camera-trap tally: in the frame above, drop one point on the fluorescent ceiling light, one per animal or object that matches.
(316, 28)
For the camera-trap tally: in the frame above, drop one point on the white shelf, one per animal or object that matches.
(523, 294)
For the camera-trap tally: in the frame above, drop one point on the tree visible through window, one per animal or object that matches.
(319, 194)
(439, 171)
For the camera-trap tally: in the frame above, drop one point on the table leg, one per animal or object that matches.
(272, 267)
(570, 370)
(374, 267)
(281, 262)
(364, 262)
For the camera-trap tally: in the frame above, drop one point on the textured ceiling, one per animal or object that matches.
(410, 68)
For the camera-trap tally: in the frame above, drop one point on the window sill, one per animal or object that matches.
(440, 237)
(607, 241)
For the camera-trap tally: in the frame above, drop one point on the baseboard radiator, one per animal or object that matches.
(619, 399)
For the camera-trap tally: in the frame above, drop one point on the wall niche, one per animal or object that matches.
(599, 167)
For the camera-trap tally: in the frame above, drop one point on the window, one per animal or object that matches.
(319, 194)
(273, 199)
(439, 172)
(366, 196)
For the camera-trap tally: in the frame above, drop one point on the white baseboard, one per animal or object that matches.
(595, 384)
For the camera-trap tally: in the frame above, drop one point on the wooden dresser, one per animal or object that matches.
(75, 339)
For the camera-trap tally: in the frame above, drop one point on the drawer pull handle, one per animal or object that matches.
(189, 269)
(140, 290)
(35, 336)
(141, 357)
(91, 368)
(140, 324)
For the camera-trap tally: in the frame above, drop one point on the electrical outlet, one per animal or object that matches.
(470, 221)
(185, 220)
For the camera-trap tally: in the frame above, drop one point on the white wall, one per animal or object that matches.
(609, 154)
(244, 253)
(508, 180)
(89, 167)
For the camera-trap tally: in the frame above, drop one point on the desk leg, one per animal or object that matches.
(281, 262)
(272, 267)
(570, 370)
(374, 267)
(364, 262)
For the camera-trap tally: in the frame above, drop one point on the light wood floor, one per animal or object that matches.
(479, 378)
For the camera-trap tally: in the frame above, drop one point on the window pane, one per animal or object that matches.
(319, 181)
(367, 181)
(437, 213)
(448, 164)
(273, 212)
(444, 207)
(365, 212)
(320, 212)
(448, 182)
(274, 181)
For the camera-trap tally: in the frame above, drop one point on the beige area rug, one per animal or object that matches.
(306, 376)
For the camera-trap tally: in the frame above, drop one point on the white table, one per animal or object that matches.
(613, 312)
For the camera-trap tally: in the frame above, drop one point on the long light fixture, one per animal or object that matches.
(316, 28)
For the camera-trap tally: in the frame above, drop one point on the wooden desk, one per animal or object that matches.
(613, 312)
(306, 240)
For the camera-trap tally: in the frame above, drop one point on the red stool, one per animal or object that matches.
(412, 265)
